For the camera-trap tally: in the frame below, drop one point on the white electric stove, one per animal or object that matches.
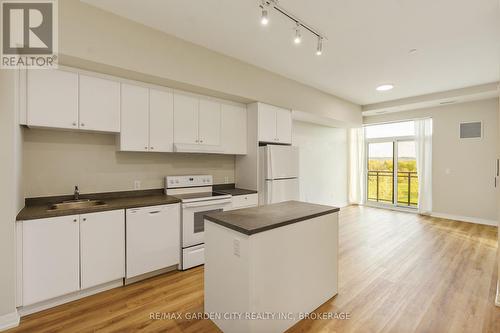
(197, 199)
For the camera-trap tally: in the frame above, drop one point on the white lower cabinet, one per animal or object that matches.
(102, 247)
(50, 258)
(153, 239)
(62, 255)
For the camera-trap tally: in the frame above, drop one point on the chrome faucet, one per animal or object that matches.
(76, 194)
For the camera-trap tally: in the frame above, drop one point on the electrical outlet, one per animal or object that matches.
(236, 247)
(137, 185)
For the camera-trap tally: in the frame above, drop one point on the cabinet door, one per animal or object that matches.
(134, 135)
(234, 129)
(267, 123)
(209, 122)
(102, 247)
(283, 126)
(50, 258)
(153, 239)
(99, 104)
(185, 118)
(52, 98)
(161, 120)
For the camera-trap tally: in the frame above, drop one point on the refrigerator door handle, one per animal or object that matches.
(270, 164)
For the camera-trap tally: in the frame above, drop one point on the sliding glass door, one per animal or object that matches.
(380, 184)
(407, 179)
(392, 172)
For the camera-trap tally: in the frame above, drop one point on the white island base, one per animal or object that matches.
(287, 271)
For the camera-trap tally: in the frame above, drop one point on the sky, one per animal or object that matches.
(384, 149)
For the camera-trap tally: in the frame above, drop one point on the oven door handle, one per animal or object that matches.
(206, 203)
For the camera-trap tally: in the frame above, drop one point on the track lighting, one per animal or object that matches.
(298, 37)
(319, 49)
(266, 5)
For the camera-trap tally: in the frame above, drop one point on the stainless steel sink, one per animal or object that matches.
(77, 204)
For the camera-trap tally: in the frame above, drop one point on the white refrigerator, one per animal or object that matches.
(279, 174)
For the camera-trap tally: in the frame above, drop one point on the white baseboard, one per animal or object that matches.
(497, 298)
(9, 320)
(468, 219)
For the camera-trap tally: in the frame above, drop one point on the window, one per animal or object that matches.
(406, 128)
(391, 164)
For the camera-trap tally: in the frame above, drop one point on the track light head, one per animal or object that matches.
(264, 19)
(319, 49)
(298, 36)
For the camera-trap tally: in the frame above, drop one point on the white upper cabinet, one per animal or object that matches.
(197, 121)
(50, 257)
(134, 134)
(186, 109)
(283, 125)
(52, 98)
(147, 119)
(267, 123)
(234, 129)
(161, 120)
(69, 100)
(99, 104)
(209, 122)
(275, 124)
(102, 247)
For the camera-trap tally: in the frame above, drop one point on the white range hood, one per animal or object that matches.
(196, 148)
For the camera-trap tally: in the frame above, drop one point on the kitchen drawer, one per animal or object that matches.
(243, 201)
(193, 256)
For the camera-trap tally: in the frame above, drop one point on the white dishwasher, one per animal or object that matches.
(153, 238)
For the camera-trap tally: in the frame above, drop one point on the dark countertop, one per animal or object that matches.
(253, 220)
(232, 190)
(37, 208)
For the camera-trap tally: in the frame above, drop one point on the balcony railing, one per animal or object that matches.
(381, 187)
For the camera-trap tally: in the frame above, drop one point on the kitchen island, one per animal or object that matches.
(268, 266)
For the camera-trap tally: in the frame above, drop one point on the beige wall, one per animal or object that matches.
(8, 191)
(56, 161)
(468, 189)
(323, 163)
(89, 33)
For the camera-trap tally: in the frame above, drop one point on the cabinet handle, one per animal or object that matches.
(84, 219)
(82, 124)
(74, 124)
(152, 148)
(75, 220)
(146, 148)
(197, 141)
(155, 212)
(201, 141)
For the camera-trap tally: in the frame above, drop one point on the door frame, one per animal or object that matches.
(394, 140)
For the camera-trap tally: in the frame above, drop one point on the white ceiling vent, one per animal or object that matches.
(471, 130)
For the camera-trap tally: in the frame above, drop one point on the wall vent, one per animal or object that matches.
(471, 130)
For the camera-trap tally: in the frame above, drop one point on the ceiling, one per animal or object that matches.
(368, 44)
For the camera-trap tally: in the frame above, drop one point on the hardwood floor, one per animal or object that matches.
(399, 272)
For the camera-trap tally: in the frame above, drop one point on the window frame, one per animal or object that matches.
(395, 140)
